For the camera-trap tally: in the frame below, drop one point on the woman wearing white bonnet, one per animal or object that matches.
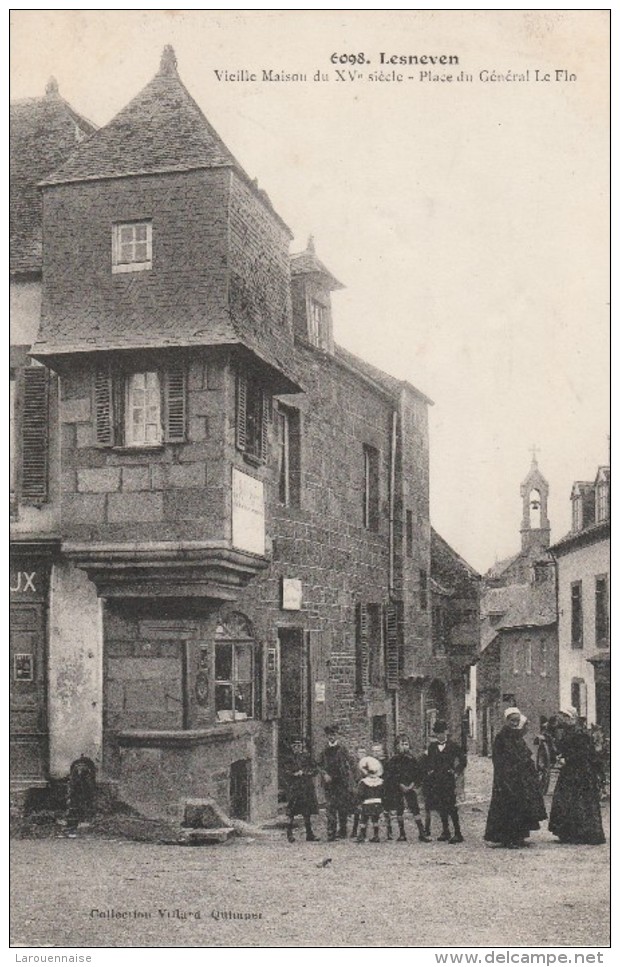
(517, 805)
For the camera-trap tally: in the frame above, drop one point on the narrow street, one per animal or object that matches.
(267, 892)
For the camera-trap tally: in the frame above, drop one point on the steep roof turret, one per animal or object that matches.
(161, 129)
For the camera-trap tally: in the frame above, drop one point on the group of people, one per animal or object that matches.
(517, 805)
(372, 788)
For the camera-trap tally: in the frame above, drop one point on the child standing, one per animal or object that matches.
(337, 770)
(361, 754)
(300, 772)
(445, 760)
(402, 773)
(370, 794)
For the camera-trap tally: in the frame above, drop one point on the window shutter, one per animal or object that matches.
(176, 404)
(392, 669)
(362, 664)
(34, 435)
(265, 420)
(242, 398)
(104, 415)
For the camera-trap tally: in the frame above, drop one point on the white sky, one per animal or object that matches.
(469, 222)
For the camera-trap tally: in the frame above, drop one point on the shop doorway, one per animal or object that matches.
(28, 718)
(295, 692)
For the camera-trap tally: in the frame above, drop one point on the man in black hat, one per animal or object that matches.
(444, 761)
(338, 776)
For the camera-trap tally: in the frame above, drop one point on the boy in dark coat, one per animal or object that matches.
(444, 761)
(402, 774)
(338, 775)
(370, 797)
(300, 772)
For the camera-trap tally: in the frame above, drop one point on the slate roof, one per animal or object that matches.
(161, 129)
(497, 569)
(44, 131)
(516, 606)
(307, 263)
(389, 383)
(598, 531)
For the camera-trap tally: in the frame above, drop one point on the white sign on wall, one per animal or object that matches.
(248, 513)
(291, 594)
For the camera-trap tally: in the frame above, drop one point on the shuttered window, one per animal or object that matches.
(141, 409)
(176, 420)
(34, 436)
(361, 648)
(253, 418)
(392, 646)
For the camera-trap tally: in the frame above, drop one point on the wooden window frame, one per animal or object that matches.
(121, 266)
(289, 455)
(252, 437)
(234, 681)
(110, 405)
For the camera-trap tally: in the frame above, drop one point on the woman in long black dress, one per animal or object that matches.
(576, 809)
(517, 805)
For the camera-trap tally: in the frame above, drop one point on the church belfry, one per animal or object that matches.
(535, 527)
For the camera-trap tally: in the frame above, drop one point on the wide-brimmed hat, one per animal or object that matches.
(369, 766)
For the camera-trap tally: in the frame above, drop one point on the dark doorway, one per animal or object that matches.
(295, 692)
(240, 779)
(28, 720)
(379, 730)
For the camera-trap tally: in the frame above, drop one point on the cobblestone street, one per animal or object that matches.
(265, 892)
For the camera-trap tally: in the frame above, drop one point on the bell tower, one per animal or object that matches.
(535, 527)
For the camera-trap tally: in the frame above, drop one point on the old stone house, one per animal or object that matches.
(243, 551)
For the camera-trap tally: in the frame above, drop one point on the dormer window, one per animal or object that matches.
(318, 324)
(602, 501)
(132, 247)
(577, 512)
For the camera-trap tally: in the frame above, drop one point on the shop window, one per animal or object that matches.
(576, 614)
(140, 409)
(602, 611)
(234, 681)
